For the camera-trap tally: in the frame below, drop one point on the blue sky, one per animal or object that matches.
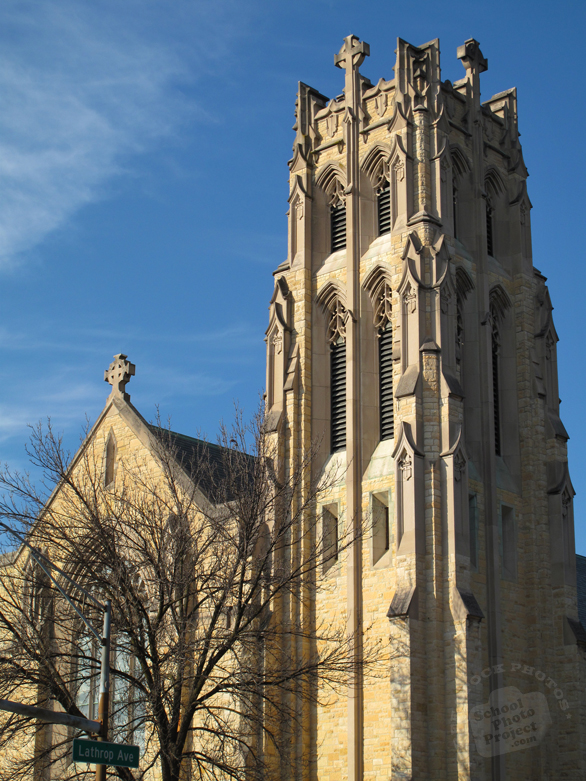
(143, 179)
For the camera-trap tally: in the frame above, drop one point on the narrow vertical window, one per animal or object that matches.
(473, 522)
(330, 536)
(110, 460)
(338, 394)
(338, 226)
(459, 330)
(380, 529)
(383, 204)
(337, 340)
(382, 322)
(455, 207)
(508, 542)
(489, 228)
(385, 352)
(495, 386)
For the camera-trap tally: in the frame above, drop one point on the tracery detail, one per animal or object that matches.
(383, 306)
(337, 324)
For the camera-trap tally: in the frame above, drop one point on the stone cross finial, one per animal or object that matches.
(352, 53)
(471, 56)
(475, 64)
(118, 374)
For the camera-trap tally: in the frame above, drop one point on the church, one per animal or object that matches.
(411, 345)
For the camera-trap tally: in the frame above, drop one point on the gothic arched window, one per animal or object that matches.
(337, 340)
(382, 321)
(109, 471)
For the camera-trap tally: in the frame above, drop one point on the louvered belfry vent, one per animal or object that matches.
(387, 416)
(489, 230)
(338, 225)
(338, 397)
(383, 201)
(495, 394)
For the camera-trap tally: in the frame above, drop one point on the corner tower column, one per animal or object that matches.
(350, 57)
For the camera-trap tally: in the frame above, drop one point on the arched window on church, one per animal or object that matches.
(382, 322)
(109, 471)
(495, 348)
(337, 341)
(338, 217)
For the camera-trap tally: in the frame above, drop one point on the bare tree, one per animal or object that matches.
(212, 562)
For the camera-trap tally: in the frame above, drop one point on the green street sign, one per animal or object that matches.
(97, 752)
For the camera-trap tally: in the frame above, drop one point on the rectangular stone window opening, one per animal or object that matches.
(381, 532)
(338, 395)
(387, 401)
(383, 204)
(489, 230)
(508, 543)
(338, 227)
(330, 536)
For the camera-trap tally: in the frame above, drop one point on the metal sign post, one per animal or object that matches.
(104, 703)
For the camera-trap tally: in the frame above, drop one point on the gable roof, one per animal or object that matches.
(219, 471)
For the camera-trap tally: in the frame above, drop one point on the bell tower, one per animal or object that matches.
(411, 342)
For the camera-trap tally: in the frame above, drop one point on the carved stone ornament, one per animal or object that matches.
(445, 298)
(381, 102)
(337, 194)
(410, 299)
(383, 306)
(406, 466)
(278, 342)
(332, 125)
(337, 324)
(459, 466)
(549, 345)
(399, 168)
(444, 166)
(299, 209)
(382, 176)
(566, 502)
(118, 374)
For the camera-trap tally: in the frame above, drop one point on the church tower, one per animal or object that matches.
(412, 339)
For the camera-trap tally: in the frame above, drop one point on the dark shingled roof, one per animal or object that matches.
(581, 582)
(207, 463)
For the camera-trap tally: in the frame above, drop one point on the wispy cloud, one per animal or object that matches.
(85, 86)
